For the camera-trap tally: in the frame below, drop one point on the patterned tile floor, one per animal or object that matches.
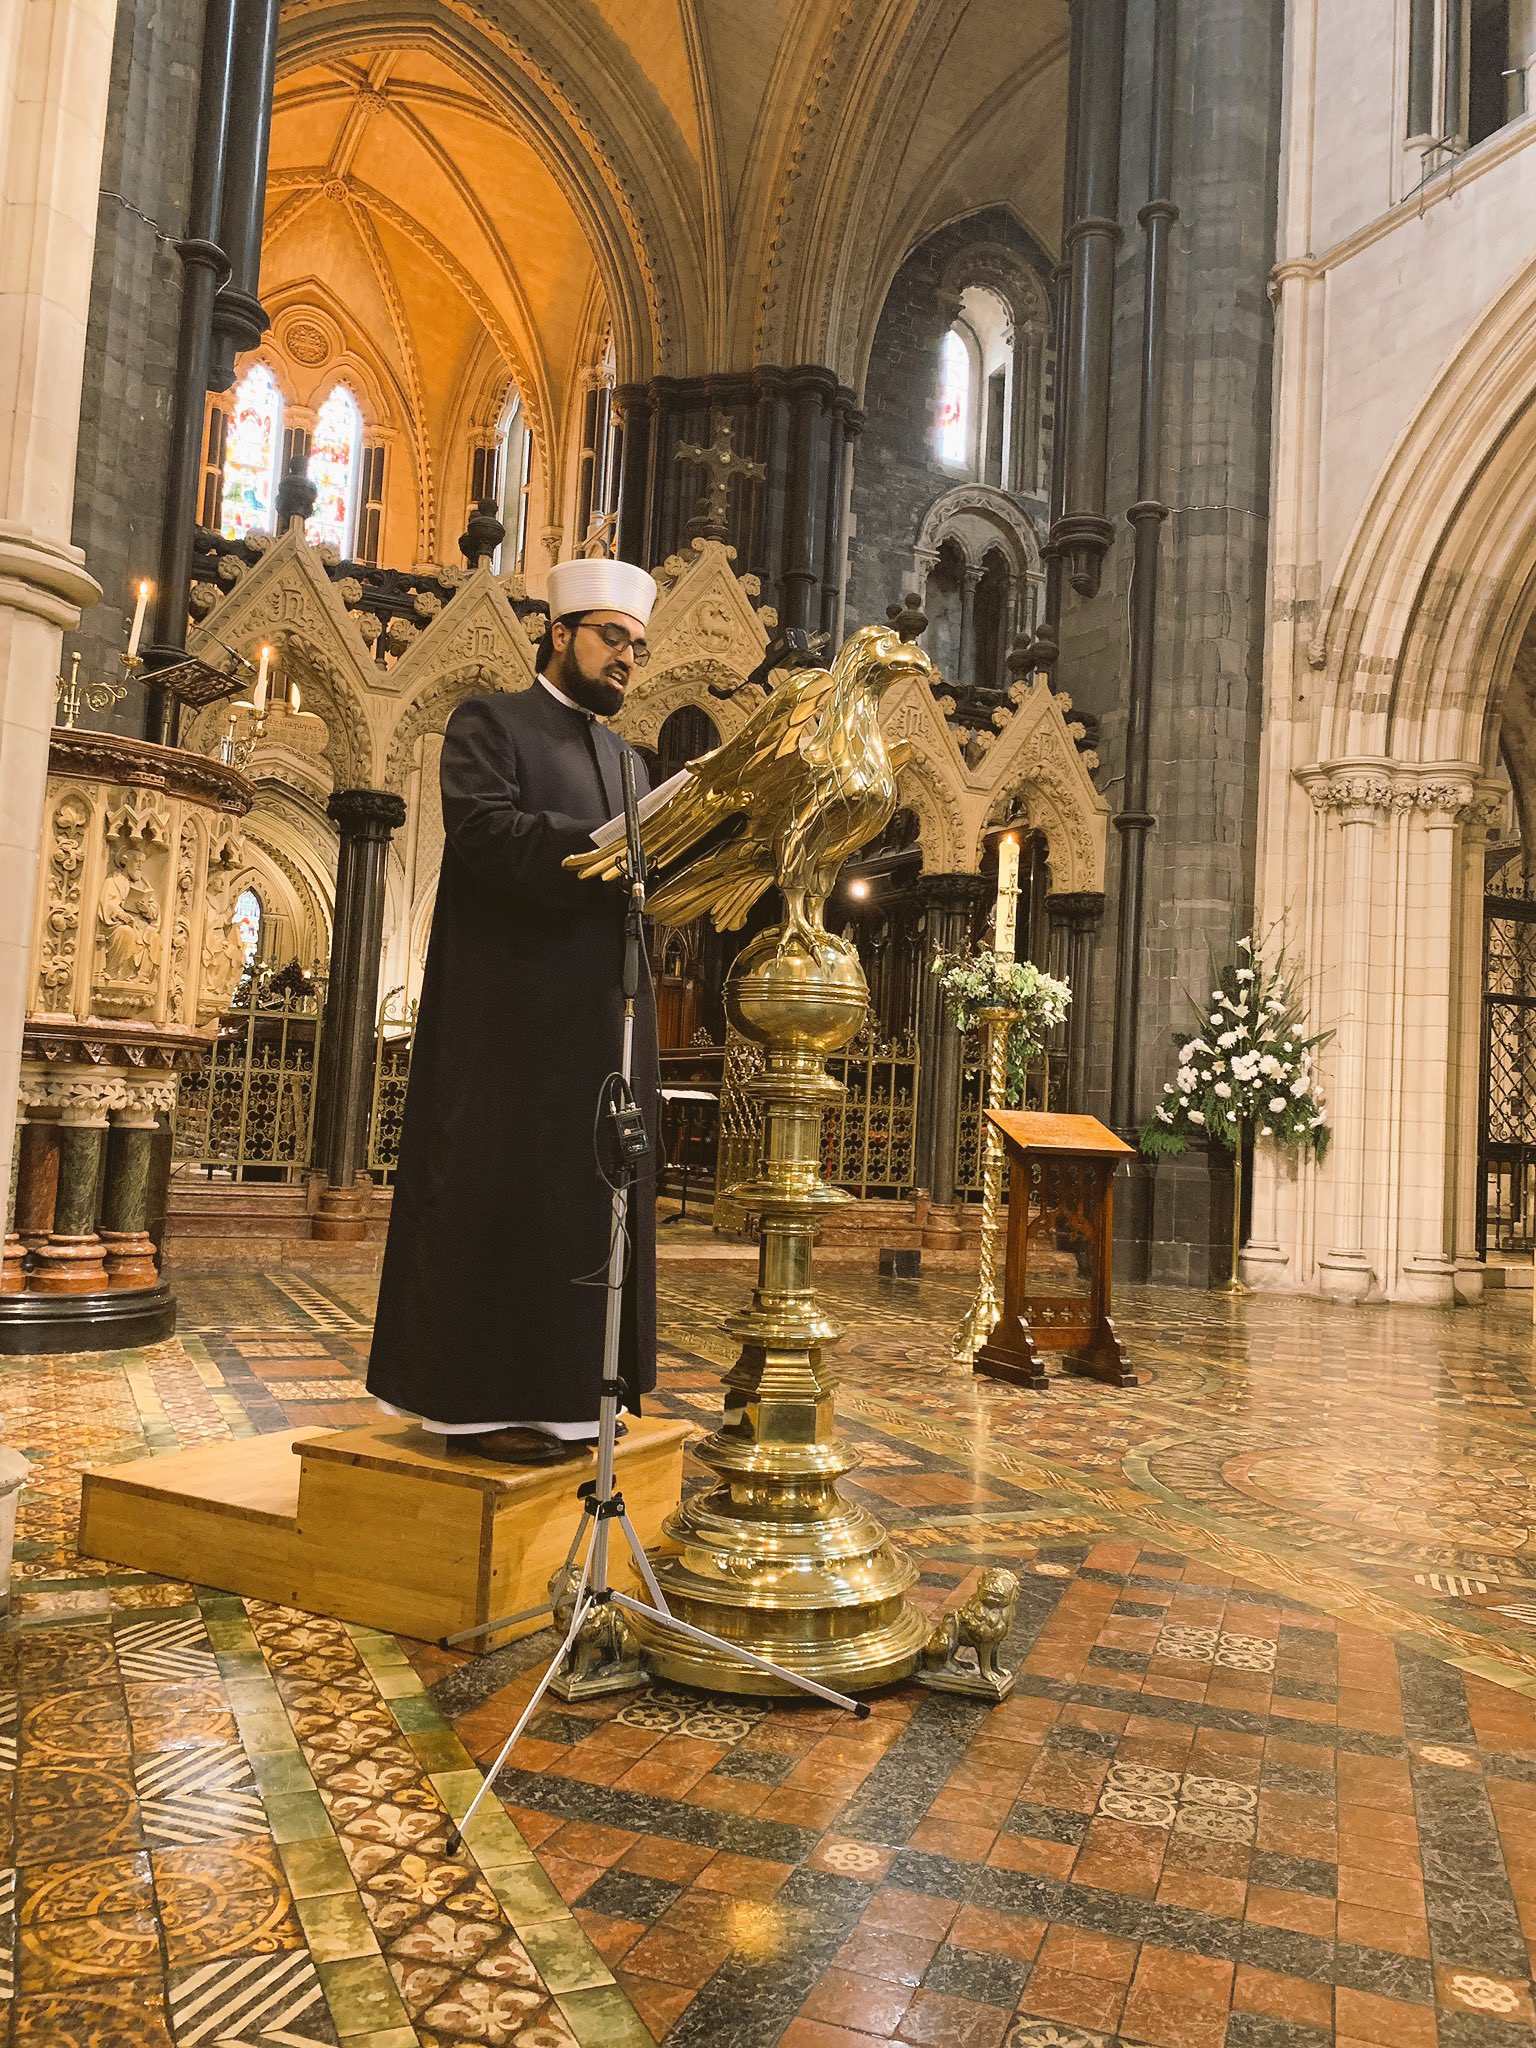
(1268, 1778)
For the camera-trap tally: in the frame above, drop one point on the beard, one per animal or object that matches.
(592, 693)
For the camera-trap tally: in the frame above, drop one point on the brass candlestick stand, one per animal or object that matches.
(1233, 1284)
(981, 1318)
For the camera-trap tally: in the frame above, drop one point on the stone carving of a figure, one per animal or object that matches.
(128, 919)
(223, 953)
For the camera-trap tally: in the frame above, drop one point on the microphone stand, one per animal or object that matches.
(585, 1593)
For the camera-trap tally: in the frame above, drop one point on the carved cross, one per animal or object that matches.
(721, 465)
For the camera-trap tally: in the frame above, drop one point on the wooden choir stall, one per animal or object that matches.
(1056, 1287)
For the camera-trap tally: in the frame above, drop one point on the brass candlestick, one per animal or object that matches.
(981, 1318)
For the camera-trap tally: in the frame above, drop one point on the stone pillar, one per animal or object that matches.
(126, 1200)
(1345, 1268)
(37, 1183)
(72, 1261)
(239, 318)
(1075, 919)
(965, 655)
(950, 903)
(53, 103)
(366, 819)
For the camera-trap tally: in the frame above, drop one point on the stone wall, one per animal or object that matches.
(896, 475)
(1207, 692)
(125, 412)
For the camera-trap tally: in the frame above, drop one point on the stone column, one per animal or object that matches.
(37, 1182)
(950, 903)
(366, 818)
(1075, 918)
(130, 1250)
(72, 1261)
(965, 654)
(1345, 1268)
(53, 103)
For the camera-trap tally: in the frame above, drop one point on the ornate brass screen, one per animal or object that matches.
(867, 1138)
(391, 1074)
(249, 1114)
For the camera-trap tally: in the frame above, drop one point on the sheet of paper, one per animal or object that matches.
(613, 831)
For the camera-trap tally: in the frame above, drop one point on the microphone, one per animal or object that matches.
(635, 852)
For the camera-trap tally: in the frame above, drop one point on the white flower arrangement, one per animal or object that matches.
(1254, 1077)
(979, 981)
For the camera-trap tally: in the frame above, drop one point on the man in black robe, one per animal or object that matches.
(493, 1293)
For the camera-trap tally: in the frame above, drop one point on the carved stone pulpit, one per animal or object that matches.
(134, 957)
(1056, 1289)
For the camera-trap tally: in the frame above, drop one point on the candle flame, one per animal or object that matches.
(146, 588)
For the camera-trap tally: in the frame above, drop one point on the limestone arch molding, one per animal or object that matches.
(1419, 630)
(287, 602)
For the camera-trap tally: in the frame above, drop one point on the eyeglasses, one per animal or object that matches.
(615, 637)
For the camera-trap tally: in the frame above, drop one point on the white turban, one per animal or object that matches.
(598, 585)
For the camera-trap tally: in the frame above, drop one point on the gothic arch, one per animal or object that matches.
(429, 711)
(1419, 632)
(978, 516)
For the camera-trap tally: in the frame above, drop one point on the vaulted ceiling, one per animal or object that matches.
(471, 189)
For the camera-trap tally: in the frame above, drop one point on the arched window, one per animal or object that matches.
(954, 413)
(250, 455)
(333, 470)
(514, 469)
(250, 913)
(976, 398)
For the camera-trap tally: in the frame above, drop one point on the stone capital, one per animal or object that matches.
(366, 813)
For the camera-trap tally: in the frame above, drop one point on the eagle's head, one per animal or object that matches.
(876, 657)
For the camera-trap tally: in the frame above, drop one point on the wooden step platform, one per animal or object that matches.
(377, 1525)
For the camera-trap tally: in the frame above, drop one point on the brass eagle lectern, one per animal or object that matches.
(771, 1556)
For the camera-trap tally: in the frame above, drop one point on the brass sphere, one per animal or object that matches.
(779, 996)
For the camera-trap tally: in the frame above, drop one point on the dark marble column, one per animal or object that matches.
(204, 268)
(950, 904)
(1074, 921)
(366, 818)
(239, 318)
(127, 1198)
(1082, 533)
(71, 1261)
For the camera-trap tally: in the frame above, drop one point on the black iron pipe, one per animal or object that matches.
(239, 318)
(204, 267)
(1146, 516)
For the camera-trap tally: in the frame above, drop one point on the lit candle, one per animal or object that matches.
(1007, 896)
(136, 630)
(259, 694)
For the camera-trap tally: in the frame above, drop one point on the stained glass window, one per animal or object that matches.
(333, 470)
(247, 922)
(954, 417)
(250, 454)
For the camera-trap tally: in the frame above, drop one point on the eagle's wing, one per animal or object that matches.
(730, 779)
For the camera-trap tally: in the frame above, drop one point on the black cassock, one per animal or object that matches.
(492, 1297)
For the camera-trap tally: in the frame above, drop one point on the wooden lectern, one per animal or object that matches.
(1060, 1251)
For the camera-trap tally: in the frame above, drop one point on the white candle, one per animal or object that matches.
(136, 630)
(259, 695)
(1007, 896)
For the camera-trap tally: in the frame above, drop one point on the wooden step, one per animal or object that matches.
(378, 1524)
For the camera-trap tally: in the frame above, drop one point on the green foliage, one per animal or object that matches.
(1247, 1072)
(979, 981)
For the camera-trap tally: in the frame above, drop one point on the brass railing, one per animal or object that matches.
(250, 1113)
(391, 1074)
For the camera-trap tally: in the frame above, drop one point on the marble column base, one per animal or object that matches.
(13, 1276)
(69, 1265)
(130, 1258)
(943, 1228)
(341, 1214)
